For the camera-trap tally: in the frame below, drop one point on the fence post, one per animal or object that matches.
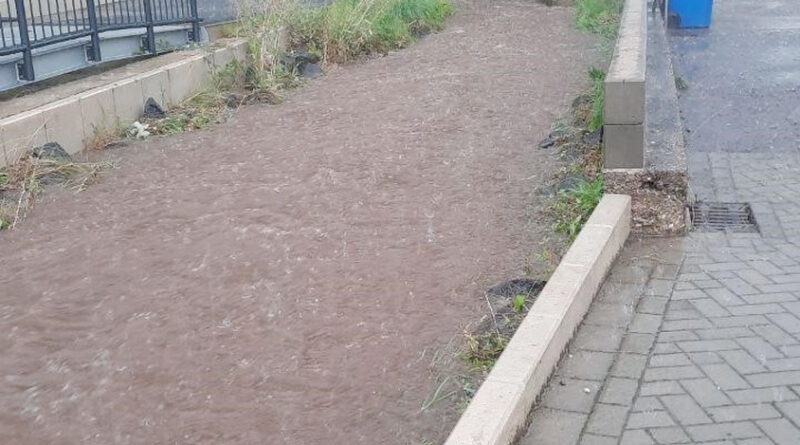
(94, 54)
(195, 21)
(26, 71)
(150, 47)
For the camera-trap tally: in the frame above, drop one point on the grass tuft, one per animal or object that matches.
(573, 207)
(599, 17)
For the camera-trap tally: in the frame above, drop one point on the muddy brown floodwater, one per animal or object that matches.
(280, 279)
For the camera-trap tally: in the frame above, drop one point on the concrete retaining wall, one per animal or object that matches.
(499, 410)
(624, 112)
(74, 121)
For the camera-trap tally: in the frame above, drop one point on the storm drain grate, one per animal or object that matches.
(723, 217)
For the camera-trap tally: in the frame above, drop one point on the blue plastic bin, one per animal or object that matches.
(690, 13)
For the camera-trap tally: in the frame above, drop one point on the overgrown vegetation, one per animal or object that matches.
(284, 35)
(597, 97)
(599, 17)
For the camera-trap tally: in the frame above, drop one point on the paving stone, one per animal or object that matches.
(660, 360)
(784, 364)
(754, 441)
(781, 431)
(787, 322)
(609, 315)
(707, 345)
(598, 338)
(629, 366)
(649, 419)
(725, 377)
(774, 335)
(742, 320)
(701, 358)
(619, 293)
(762, 298)
(710, 308)
(554, 427)
(767, 379)
(684, 325)
(791, 410)
(759, 349)
(668, 435)
(660, 287)
(638, 343)
(661, 388)
(742, 361)
(743, 412)
(762, 395)
(571, 395)
(672, 373)
(619, 391)
(607, 420)
(756, 309)
(587, 365)
(636, 437)
(665, 348)
(645, 323)
(652, 305)
(591, 439)
(668, 336)
(685, 410)
(723, 431)
(705, 392)
(647, 403)
(723, 333)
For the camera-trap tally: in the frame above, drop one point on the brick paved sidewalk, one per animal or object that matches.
(697, 340)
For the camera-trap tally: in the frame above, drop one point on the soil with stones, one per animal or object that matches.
(287, 276)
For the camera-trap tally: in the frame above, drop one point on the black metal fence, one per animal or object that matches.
(29, 24)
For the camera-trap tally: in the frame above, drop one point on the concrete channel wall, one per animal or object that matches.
(74, 121)
(624, 112)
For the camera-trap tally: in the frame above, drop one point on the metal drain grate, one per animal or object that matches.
(723, 217)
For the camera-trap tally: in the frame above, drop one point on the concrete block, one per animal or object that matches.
(616, 209)
(97, 112)
(128, 100)
(628, 62)
(222, 57)
(64, 124)
(623, 146)
(155, 84)
(187, 77)
(493, 416)
(21, 133)
(501, 405)
(624, 101)
(239, 50)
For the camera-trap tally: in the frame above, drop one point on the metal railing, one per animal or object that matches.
(29, 24)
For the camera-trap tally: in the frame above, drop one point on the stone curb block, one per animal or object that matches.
(498, 412)
(624, 106)
(72, 121)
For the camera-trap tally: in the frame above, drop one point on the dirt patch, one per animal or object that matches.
(292, 275)
(658, 200)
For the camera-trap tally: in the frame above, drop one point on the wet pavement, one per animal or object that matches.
(698, 340)
(289, 276)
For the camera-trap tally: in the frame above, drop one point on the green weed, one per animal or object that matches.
(599, 17)
(597, 96)
(573, 207)
(519, 303)
(680, 83)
